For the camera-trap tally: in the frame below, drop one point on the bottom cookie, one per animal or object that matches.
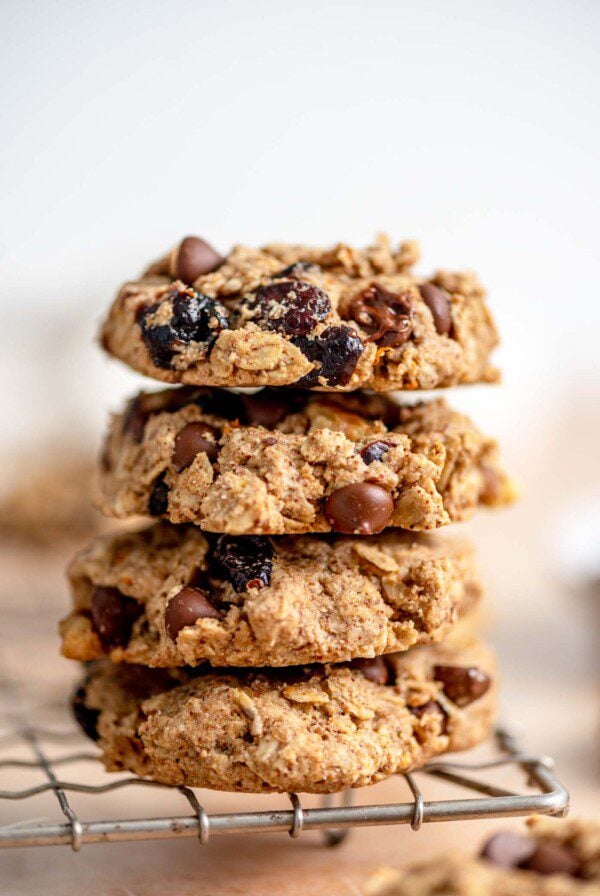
(555, 858)
(313, 729)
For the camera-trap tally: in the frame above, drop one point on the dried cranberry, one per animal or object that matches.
(158, 503)
(194, 318)
(292, 307)
(244, 560)
(375, 451)
(336, 350)
(385, 316)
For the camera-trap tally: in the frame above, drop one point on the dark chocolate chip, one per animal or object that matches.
(462, 684)
(361, 507)
(335, 351)
(86, 718)
(185, 608)
(424, 708)
(508, 849)
(244, 561)
(113, 615)
(552, 858)
(158, 503)
(193, 258)
(265, 409)
(191, 440)
(375, 451)
(386, 316)
(438, 302)
(375, 669)
(291, 307)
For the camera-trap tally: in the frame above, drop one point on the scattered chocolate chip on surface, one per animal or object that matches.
(552, 858)
(508, 849)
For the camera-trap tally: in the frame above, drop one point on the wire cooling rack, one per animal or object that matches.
(334, 818)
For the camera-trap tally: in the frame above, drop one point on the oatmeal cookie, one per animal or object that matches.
(168, 596)
(335, 319)
(317, 729)
(283, 462)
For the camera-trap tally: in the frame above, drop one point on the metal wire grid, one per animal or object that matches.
(333, 821)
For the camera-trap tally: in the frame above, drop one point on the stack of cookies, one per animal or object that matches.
(288, 623)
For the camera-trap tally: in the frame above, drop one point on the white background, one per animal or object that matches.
(471, 126)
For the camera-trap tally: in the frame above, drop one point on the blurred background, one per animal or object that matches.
(471, 127)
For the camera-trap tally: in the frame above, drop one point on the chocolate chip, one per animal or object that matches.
(265, 409)
(191, 440)
(361, 507)
(385, 316)
(462, 684)
(336, 351)
(158, 503)
(438, 302)
(507, 849)
(86, 718)
(552, 858)
(424, 708)
(375, 670)
(291, 307)
(185, 608)
(244, 561)
(375, 451)
(113, 615)
(193, 258)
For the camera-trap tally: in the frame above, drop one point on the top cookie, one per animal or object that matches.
(333, 319)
